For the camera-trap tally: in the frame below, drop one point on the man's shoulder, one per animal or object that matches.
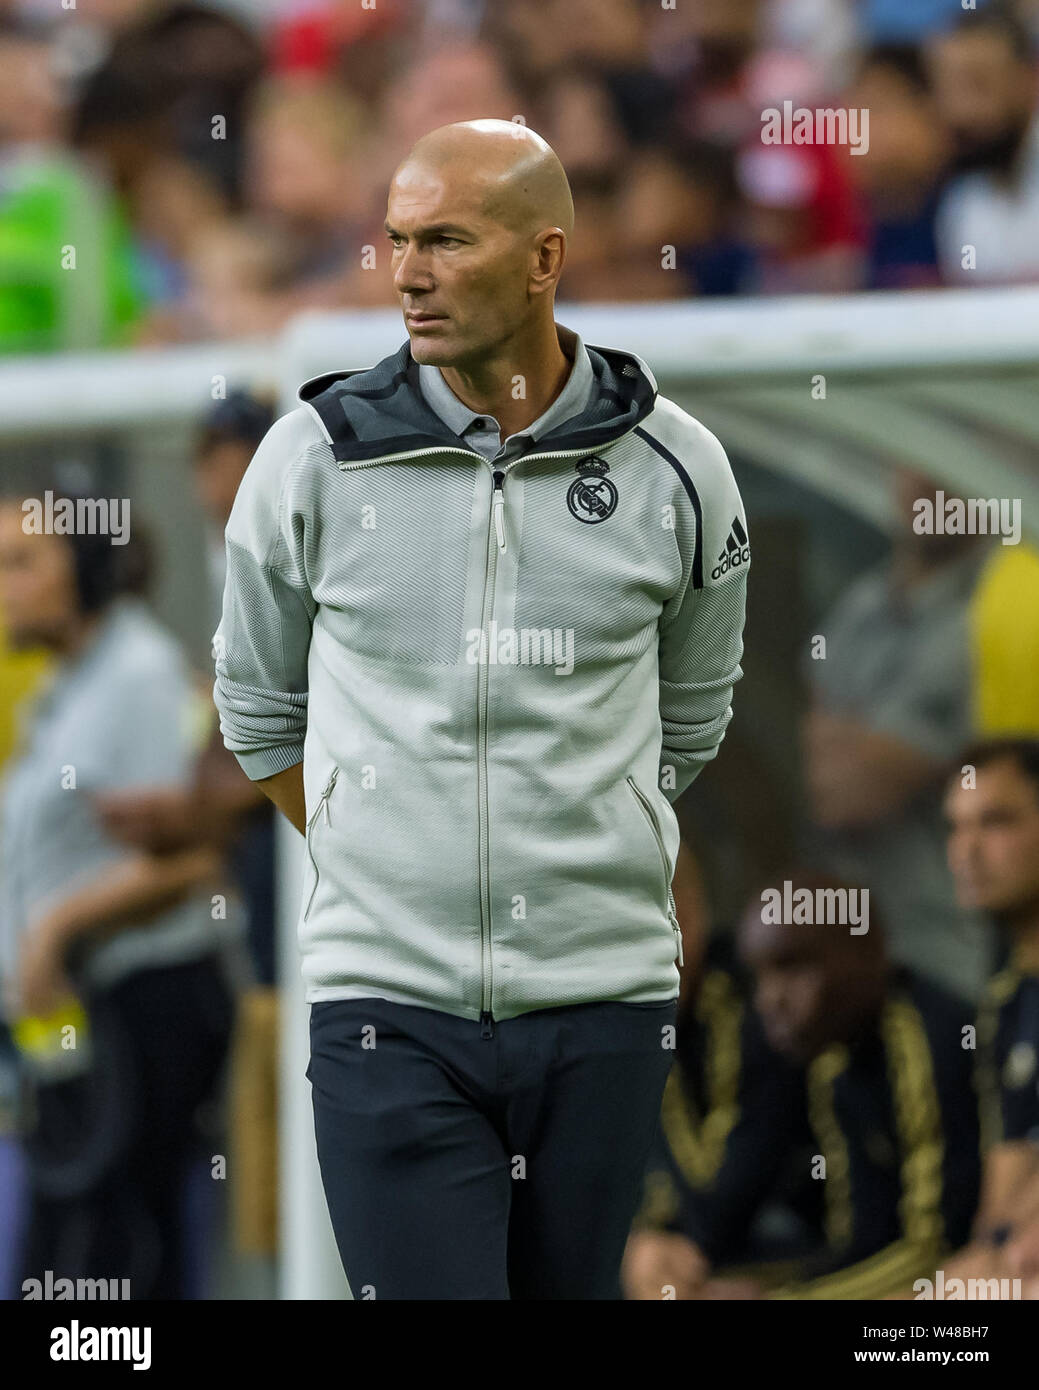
(688, 446)
(675, 428)
(295, 431)
(292, 437)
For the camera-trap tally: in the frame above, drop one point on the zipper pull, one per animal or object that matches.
(675, 926)
(486, 1025)
(499, 508)
(326, 794)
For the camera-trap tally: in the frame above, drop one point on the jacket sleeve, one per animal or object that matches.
(262, 644)
(701, 627)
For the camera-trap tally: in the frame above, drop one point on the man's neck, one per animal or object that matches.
(517, 386)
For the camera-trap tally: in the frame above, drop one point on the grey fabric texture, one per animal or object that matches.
(491, 737)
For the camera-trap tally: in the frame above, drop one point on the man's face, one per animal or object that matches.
(463, 276)
(983, 91)
(792, 985)
(993, 846)
(37, 582)
(219, 470)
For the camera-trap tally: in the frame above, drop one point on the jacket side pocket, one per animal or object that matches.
(319, 809)
(646, 807)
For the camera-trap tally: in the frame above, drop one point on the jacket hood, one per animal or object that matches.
(381, 411)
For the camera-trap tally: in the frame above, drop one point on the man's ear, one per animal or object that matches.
(550, 257)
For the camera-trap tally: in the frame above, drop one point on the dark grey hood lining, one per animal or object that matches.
(379, 411)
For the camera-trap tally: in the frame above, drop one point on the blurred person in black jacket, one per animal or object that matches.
(853, 1071)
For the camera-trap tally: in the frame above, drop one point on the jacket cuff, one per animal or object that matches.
(266, 762)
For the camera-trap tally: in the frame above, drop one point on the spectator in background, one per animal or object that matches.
(803, 222)
(993, 819)
(713, 103)
(222, 807)
(462, 82)
(578, 113)
(730, 1141)
(875, 1082)
(681, 200)
(112, 1130)
(304, 174)
(900, 178)
(52, 209)
(984, 76)
(175, 207)
(713, 250)
(175, 81)
(308, 180)
(162, 114)
(227, 441)
(891, 704)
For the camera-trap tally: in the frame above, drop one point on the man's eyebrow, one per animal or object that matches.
(436, 229)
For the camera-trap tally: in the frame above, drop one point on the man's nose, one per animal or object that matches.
(412, 275)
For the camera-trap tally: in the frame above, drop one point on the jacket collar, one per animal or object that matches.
(382, 412)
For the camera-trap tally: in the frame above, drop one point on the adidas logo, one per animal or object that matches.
(736, 552)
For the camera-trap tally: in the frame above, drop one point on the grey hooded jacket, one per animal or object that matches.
(498, 677)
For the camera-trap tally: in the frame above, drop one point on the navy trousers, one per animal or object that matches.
(460, 1166)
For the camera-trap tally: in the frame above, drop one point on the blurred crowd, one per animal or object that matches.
(175, 171)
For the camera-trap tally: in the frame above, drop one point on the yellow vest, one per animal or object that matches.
(1004, 622)
(20, 674)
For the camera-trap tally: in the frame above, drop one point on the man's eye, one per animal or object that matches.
(453, 240)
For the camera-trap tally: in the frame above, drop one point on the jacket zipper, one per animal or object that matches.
(495, 531)
(651, 818)
(321, 806)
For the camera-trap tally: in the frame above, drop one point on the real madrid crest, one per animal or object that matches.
(592, 497)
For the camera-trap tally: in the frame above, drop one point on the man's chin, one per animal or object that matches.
(979, 899)
(440, 350)
(431, 354)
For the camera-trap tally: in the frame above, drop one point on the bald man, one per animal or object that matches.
(482, 620)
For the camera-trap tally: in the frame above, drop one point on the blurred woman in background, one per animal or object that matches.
(113, 962)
